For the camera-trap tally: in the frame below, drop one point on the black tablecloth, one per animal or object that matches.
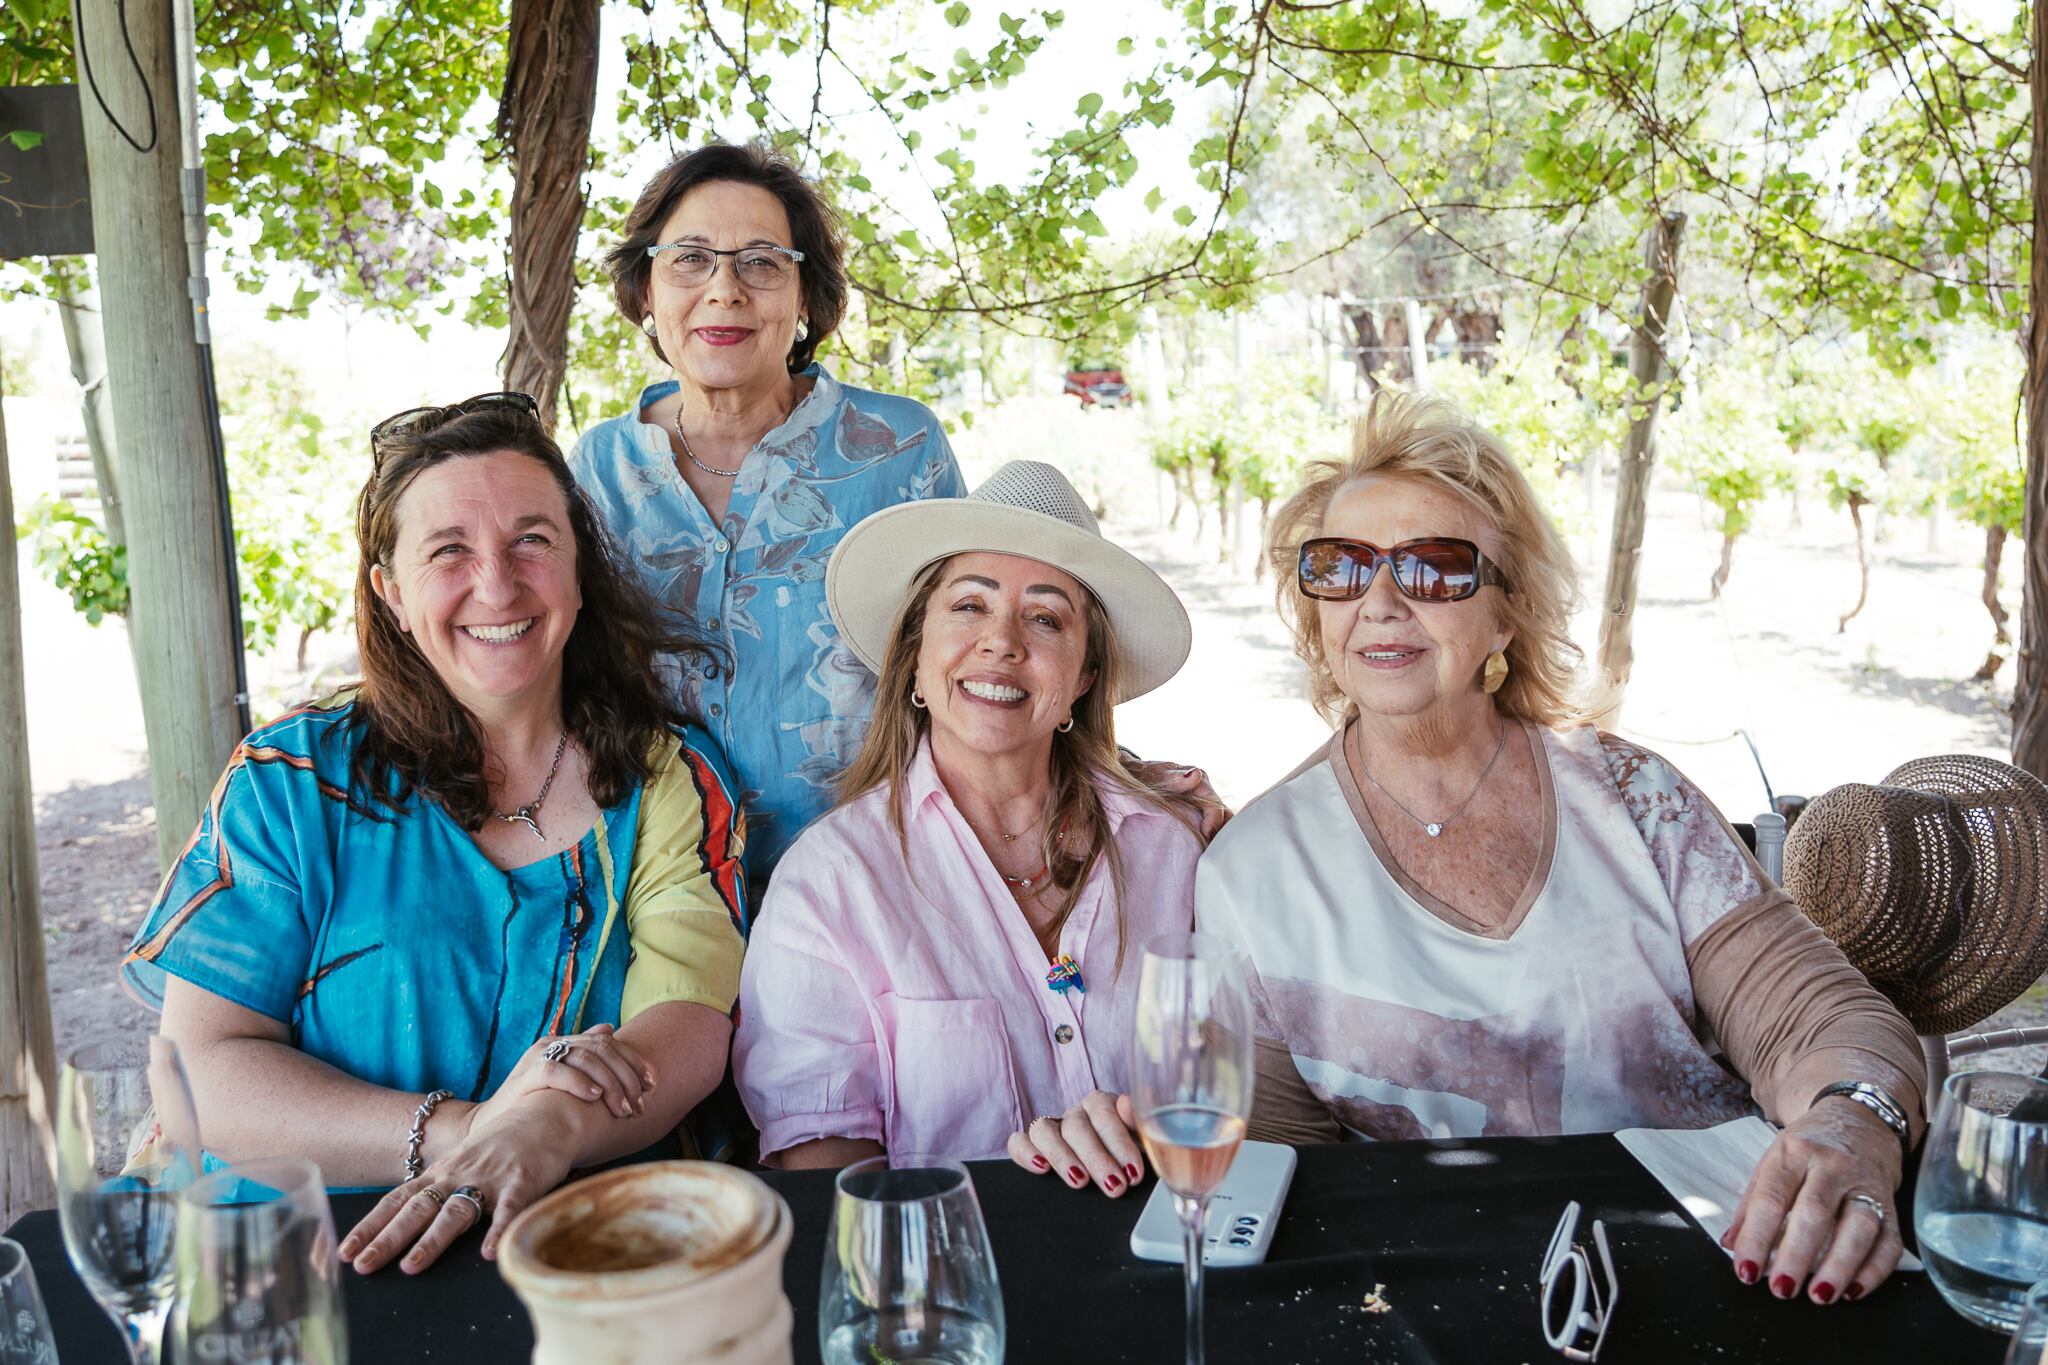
(1454, 1230)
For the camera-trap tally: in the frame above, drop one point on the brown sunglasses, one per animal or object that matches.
(420, 421)
(1433, 569)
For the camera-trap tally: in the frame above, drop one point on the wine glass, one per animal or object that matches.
(258, 1280)
(1981, 1207)
(127, 1142)
(24, 1327)
(1191, 1081)
(909, 1275)
(2029, 1344)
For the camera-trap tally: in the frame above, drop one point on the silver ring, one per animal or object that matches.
(1876, 1206)
(555, 1051)
(430, 1192)
(473, 1195)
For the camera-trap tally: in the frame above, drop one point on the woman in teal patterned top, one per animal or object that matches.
(502, 874)
(729, 486)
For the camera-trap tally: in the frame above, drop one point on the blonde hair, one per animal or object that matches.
(1428, 440)
(1084, 759)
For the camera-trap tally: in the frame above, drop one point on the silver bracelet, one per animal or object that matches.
(413, 1165)
(1878, 1101)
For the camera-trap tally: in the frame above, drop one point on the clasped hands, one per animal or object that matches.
(509, 1150)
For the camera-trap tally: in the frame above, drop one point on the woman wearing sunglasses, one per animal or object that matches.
(1470, 914)
(477, 920)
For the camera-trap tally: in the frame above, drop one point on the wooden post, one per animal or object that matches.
(28, 1064)
(1638, 458)
(180, 621)
(2030, 689)
(87, 349)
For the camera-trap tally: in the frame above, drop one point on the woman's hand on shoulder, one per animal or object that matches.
(594, 1065)
(1175, 780)
(1093, 1142)
(508, 1162)
(1807, 1218)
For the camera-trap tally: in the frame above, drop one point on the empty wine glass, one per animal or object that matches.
(2029, 1345)
(258, 1280)
(1981, 1207)
(1191, 1081)
(24, 1327)
(127, 1142)
(909, 1275)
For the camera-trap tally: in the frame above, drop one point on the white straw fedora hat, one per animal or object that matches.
(1025, 508)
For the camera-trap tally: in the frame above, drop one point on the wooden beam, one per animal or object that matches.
(2030, 688)
(1648, 367)
(28, 1065)
(180, 620)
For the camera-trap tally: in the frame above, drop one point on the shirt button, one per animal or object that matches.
(712, 624)
(716, 710)
(1063, 1034)
(711, 670)
(720, 545)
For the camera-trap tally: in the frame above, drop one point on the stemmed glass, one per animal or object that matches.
(1981, 1207)
(909, 1275)
(258, 1281)
(24, 1326)
(127, 1142)
(1191, 1081)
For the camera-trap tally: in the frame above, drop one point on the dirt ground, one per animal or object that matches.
(1766, 659)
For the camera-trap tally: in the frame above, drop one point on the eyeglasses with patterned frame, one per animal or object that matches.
(689, 264)
(420, 421)
(1431, 569)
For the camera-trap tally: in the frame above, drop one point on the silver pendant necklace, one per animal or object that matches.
(691, 455)
(524, 815)
(1435, 828)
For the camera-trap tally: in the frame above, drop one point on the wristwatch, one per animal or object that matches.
(1878, 1101)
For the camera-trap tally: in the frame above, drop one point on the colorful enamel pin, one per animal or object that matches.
(1065, 975)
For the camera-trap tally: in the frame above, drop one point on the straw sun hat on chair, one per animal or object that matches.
(1025, 508)
(1932, 884)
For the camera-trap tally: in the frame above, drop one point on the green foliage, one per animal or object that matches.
(1977, 421)
(73, 552)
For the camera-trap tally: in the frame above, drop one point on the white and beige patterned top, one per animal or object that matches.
(1578, 1015)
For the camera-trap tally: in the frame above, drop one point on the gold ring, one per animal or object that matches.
(430, 1192)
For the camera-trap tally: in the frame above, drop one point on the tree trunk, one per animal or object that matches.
(87, 350)
(2030, 689)
(182, 619)
(28, 1066)
(544, 118)
(1720, 578)
(1862, 565)
(1638, 458)
(1994, 555)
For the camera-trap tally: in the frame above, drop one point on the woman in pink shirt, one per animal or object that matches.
(952, 950)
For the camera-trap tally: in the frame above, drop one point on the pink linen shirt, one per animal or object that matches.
(907, 1003)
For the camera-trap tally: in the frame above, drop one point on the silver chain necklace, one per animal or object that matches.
(691, 455)
(524, 815)
(1434, 828)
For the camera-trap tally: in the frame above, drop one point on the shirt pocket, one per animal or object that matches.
(952, 1090)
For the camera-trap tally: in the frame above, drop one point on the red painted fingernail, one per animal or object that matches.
(1746, 1272)
(1133, 1172)
(1112, 1183)
(1041, 1163)
(1853, 1292)
(1823, 1292)
(1782, 1286)
(1077, 1175)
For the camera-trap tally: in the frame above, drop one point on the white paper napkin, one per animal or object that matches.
(1706, 1169)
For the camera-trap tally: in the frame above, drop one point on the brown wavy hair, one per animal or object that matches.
(1085, 759)
(813, 230)
(1428, 440)
(416, 737)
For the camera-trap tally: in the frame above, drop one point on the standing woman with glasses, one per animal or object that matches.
(1470, 914)
(729, 485)
(477, 920)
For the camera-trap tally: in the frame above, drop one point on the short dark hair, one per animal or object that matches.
(614, 700)
(813, 230)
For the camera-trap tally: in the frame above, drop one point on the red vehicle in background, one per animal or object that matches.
(1098, 388)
